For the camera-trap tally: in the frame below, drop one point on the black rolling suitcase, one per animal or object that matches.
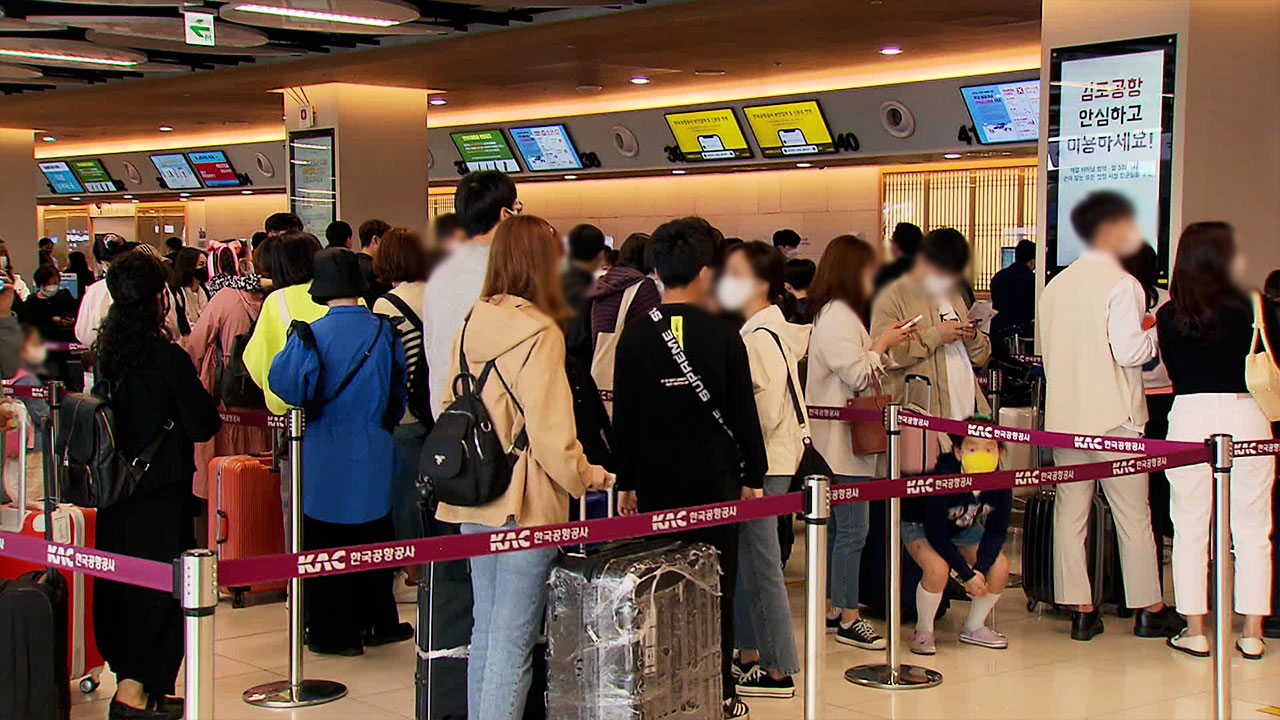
(1102, 553)
(633, 631)
(33, 638)
(443, 637)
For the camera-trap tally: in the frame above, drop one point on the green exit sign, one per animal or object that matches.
(199, 27)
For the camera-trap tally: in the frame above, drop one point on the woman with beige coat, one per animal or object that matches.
(516, 324)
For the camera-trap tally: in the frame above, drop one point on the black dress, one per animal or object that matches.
(139, 630)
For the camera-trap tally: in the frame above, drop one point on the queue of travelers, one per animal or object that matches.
(707, 348)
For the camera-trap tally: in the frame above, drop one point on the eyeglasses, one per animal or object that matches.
(517, 207)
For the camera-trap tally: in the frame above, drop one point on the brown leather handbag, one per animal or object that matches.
(869, 437)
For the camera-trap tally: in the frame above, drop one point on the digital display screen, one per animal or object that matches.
(214, 169)
(1005, 112)
(175, 172)
(546, 147)
(485, 150)
(70, 282)
(93, 175)
(60, 177)
(788, 129)
(709, 135)
(1111, 116)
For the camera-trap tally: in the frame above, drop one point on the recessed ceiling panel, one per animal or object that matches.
(14, 25)
(18, 72)
(155, 28)
(122, 3)
(68, 53)
(549, 3)
(363, 17)
(179, 46)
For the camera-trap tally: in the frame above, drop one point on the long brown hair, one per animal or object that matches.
(840, 276)
(1202, 286)
(524, 262)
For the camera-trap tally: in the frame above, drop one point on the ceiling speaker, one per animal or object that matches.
(264, 165)
(897, 119)
(625, 142)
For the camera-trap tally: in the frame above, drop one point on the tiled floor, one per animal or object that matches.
(1042, 675)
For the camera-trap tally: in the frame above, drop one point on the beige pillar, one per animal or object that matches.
(1226, 163)
(380, 138)
(18, 198)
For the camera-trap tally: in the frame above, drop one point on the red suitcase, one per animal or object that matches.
(245, 517)
(74, 526)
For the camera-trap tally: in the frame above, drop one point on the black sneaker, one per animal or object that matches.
(833, 623)
(735, 709)
(757, 682)
(739, 668)
(155, 710)
(394, 634)
(1165, 623)
(861, 634)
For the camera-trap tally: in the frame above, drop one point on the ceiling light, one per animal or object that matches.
(165, 128)
(438, 101)
(246, 192)
(184, 194)
(133, 201)
(570, 177)
(75, 198)
(49, 138)
(891, 50)
(315, 15)
(589, 88)
(640, 80)
(709, 73)
(66, 57)
(804, 164)
(126, 197)
(183, 199)
(679, 172)
(952, 156)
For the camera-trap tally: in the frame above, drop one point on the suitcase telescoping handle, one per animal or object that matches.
(21, 501)
(610, 504)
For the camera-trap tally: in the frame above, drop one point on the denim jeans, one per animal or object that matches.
(405, 511)
(510, 596)
(762, 610)
(846, 536)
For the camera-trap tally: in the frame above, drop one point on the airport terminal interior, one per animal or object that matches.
(140, 121)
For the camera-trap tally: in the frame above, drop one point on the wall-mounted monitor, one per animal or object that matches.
(485, 150)
(546, 147)
(175, 172)
(214, 169)
(60, 178)
(788, 129)
(1004, 112)
(94, 176)
(709, 135)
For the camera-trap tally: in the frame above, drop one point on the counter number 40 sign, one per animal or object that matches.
(199, 26)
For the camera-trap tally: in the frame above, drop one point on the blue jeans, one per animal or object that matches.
(761, 607)
(846, 536)
(405, 511)
(510, 596)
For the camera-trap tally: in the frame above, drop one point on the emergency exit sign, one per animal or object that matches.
(199, 27)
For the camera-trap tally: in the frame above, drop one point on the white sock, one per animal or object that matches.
(926, 608)
(979, 609)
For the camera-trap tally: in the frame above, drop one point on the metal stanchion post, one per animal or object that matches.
(197, 591)
(893, 675)
(296, 691)
(995, 384)
(1220, 447)
(817, 510)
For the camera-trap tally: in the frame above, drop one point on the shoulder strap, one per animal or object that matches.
(791, 386)
(627, 297)
(283, 306)
(404, 309)
(141, 463)
(352, 373)
(1260, 327)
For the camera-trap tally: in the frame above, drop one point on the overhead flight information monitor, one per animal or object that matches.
(93, 175)
(788, 129)
(1004, 112)
(546, 147)
(175, 172)
(214, 169)
(60, 177)
(485, 150)
(709, 135)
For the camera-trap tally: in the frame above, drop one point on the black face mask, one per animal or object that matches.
(201, 274)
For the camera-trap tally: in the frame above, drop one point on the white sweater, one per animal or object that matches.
(454, 287)
(783, 439)
(841, 366)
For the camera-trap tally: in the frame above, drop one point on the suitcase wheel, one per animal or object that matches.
(89, 684)
(1032, 605)
(237, 597)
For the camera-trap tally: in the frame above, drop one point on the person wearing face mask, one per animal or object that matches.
(752, 286)
(787, 242)
(1206, 330)
(961, 535)
(191, 273)
(51, 308)
(947, 346)
(1094, 343)
(586, 256)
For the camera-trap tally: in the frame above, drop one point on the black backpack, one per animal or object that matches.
(95, 473)
(462, 458)
(232, 384)
(419, 399)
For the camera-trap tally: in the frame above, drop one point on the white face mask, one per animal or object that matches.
(658, 281)
(734, 292)
(938, 285)
(599, 273)
(49, 290)
(35, 357)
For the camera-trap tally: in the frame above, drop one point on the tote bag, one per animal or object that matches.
(1261, 375)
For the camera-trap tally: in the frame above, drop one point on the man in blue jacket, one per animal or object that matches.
(347, 370)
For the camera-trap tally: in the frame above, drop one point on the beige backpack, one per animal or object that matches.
(606, 349)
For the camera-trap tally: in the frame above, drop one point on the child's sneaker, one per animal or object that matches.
(984, 637)
(922, 643)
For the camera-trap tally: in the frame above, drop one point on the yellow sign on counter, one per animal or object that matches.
(709, 135)
(789, 129)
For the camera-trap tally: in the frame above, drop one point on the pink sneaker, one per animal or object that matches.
(984, 637)
(922, 643)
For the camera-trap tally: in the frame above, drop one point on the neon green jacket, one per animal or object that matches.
(279, 309)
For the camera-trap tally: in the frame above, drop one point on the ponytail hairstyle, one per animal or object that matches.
(767, 264)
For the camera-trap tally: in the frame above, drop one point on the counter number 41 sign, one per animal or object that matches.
(199, 26)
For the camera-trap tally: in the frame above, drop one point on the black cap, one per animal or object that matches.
(337, 275)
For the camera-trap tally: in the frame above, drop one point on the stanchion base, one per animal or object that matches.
(910, 677)
(280, 694)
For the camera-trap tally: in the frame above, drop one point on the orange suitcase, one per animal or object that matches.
(245, 516)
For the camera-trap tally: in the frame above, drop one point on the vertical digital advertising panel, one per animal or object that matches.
(1111, 128)
(313, 179)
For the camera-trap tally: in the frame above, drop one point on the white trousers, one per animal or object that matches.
(1194, 418)
(1127, 497)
